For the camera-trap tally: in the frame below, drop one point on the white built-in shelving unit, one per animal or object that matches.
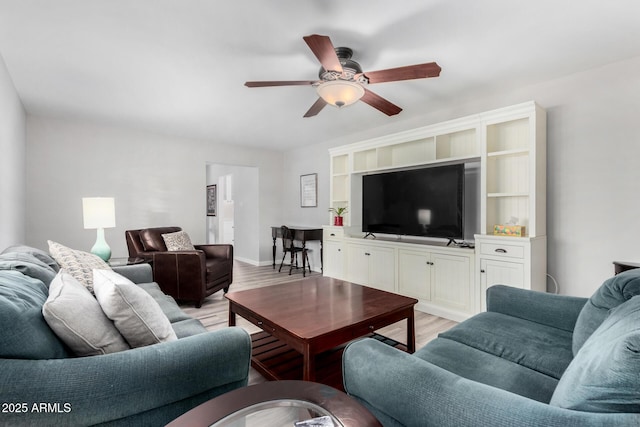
(510, 145)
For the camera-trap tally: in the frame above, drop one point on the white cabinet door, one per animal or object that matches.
(371, 266)
(382, 269)
(451, 278)
(333, 259)
(358, 262)
(414, 274)
(495, 272)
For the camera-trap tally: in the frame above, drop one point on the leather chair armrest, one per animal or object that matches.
(223, 251)
(180, 274)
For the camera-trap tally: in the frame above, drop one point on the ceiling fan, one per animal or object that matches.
(342, 81)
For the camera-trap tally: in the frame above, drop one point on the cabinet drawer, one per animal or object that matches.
(333, 233)
(499, 249)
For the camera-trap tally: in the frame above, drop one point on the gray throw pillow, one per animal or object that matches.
(77, 263)
(38, 253)
(77, 319)
(28, 265)
(178, 241)
(604, 375)
(135, 313)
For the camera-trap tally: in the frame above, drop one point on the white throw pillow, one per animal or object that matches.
(135, 313)
(77, 319)
(178, 241)
(77, 263)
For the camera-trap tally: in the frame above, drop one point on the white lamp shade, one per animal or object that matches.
(340, 93)
(424, 216)
(98, 212)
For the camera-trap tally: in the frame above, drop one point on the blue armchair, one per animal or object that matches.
(533, 359)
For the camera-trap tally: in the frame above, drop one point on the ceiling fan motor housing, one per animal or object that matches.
(350, 68)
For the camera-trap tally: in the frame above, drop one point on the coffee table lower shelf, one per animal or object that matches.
(275, 360)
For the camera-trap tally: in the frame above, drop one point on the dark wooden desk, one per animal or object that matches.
(302, 234)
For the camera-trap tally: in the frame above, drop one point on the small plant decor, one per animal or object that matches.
(337, 220)
(338, 211)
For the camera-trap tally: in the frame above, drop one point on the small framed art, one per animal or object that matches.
(309, 190)
(212, 201)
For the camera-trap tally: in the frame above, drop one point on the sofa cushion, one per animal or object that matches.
(168, 305)
(24, 333)
(539, 347)
(77, 263)
(28, 265)
(612, 293)
(37, 253)
(135, 313)
(152, 240)
(485, 368)
(188, 327)
(178, 241)
(605, 374)
(77, 319)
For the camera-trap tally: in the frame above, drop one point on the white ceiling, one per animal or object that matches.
(178, 66)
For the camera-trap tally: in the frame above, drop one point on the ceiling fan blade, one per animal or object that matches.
(323, 49)
(315, 108)
(281, 83)
(379, 103)
(410, 72)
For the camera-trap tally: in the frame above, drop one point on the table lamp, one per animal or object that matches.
(99, 213)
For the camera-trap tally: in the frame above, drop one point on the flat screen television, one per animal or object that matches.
(418, 202)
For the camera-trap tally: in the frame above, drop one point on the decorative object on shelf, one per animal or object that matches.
(342, 81)
(99, 213)
(309, 190)
(338, 219)
(212, 199)
(509, 230)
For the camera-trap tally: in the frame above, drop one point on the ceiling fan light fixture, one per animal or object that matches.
(340, 93)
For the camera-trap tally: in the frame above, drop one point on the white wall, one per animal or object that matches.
(12, 163)
(593, 176)
(156, 181)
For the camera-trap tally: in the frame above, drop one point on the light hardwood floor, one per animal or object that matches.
(214, 313)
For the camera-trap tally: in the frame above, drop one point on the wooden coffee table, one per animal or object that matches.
(306, 324)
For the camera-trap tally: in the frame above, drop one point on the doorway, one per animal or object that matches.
(237, 216)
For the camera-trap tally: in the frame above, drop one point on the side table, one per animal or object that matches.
(117, 262)
(620, 266)
(278, 403)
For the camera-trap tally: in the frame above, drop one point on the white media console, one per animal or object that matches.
(449, 281)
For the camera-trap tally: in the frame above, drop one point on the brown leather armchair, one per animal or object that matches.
(185, 275)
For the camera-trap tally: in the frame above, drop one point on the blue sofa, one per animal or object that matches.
(532, 359)
(42, 383)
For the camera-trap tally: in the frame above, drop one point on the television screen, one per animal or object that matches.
(419, 202)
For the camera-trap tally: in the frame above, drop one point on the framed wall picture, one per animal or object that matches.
(212, 201)
(309, 190)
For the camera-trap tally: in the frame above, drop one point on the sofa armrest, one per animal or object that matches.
(558, 311)
(221, 251)
(98, 389)
(137, 273)
(401, 389)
